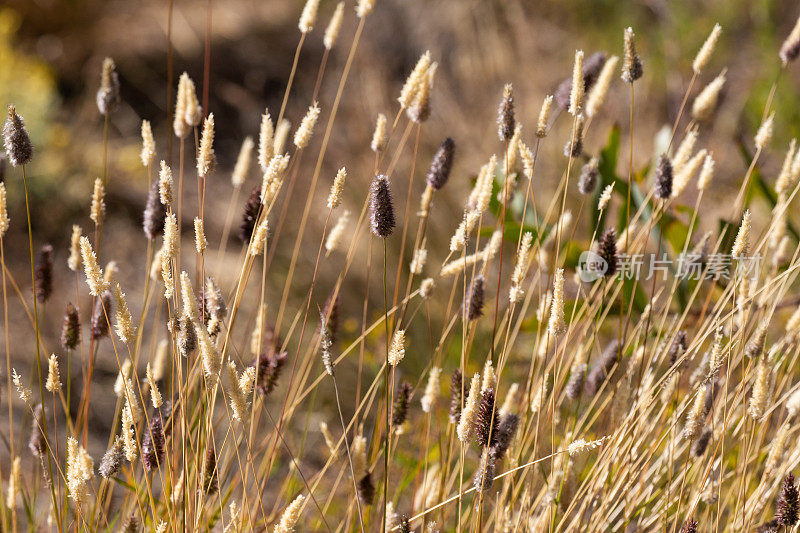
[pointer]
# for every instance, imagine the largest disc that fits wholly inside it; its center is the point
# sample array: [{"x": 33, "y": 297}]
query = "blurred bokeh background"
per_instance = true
[{"x": 51, "y": 53}]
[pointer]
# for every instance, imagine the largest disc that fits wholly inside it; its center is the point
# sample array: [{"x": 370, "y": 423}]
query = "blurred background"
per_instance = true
[{"x": 51, "y": 53}]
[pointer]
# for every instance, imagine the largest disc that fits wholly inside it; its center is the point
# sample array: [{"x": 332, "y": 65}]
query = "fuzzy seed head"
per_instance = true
[
  {"x": 381, "y": 209},
  {"x": 707, "y": 101},
  {"x": 741, "y": 246},
  {"x": 80, "y": 470},
  {"x": 506, "y": 121},
  {"x": 309, "y": 16},
  {"x": 397, "y": 349},
  {"x": 165, "y": 185},
  {"x": 764, "y": 135},
  {"x": 206, "y": 159},
  {"x": 335, "y": 196},
  {"x": 441, "y": 165},
  {"x": 148, "y": 152},
  {"x": 98, "y": 203},
  {"x": 335, "y": 236},
  {"x": 94, "y": 274},
  {"x": 303, "y": 134},
  {"x": 466, "y": 424},
  {"x": 600, "y": 90},
  {"x": 578, "y": 85},
  {"x": 4, "y": 219},
  {"x": 431, "y": 394},
  {"x": 243, "y": 163},
  {"x": 702, "y": 57},
  {"x": 631, "y": 62},
  {"x": 19, "y": 149},
  {"x": 473, "y": 305},
  {"x": 380, "y": 135},
  {"x": 791, "y": 46},
  {"x": 605, "y": 197},
  {"x": 53, "y": 376},
  {"x": 706, "y": 173},
  {"x": 108, "y": 97},
  {"x": 663, "y": 178},
  {"x": 544, "y": 115},
  {"x": 290, "y": 516},
  {"x": 556, "y": 323},
  {"x": 364, "y": 8},
  {"x": 334, "y": 27}
]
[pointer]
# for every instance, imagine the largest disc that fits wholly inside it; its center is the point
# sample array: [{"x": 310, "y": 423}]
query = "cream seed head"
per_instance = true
[
  {"x": 155, "y": 394},
  {"x": 124, "y": 326},
  {"x": 128, "y": 435},
  {"x": 206, "y": 158},
  {"x": 520, "y": 269},
  {"x": 119, "y": 383},
  {"x": 426, "y": 287},
  {"x": 379, "y": 136},
  {"x": 335, "y": 196},
  {"x": 489, "y": 378},
  {"x": 706, "y": 173},
  {"x": 411, "y": 86},
  {"x": 578, "y": 86},
  {"x": 259, "y": 239},
  {"x": 170, "y": 248},
  {"x": 597, "y": 95},
  {"x": 108, "y": 97},
  {"x": 291, "y": 515},
  {"x": 702, "y": 57},
  {"x": 243, "y": 163},
  {"x": 397, "y": 349},
  {"x": 785, "y": 180},
  {"x": 791, "y": 46},
  {"x": 556, "y": 324},
  {"x": 741, "y": 246},
  {"x": 418, "y": 261},
  {"x": 148, "y": 144},
  {"x": 431, "y": 389},
  {"x": 166, "y": 273},
  {"x": 685, "y": 149},
  {"x": 605, "y": 196},
  {"x": 764, "y": 135},
  {"x": 687, "y": 171},
  {"x": 281, "y": 134},
  {"x": 273, "y": 177},
  {"x": 364, "y": 8},
  {"x": 544, "y": 115},
  {"x": 706, "y": 102},
  {"x": 309, "y": 16},
  {"x": 760, "y": 394},
  {"x": 98, "y": 202},
  {"x": 200, "y": 242},
  {"x": 466, "y": 423},
  {"x": 266, "y": 141},
  {"x": 334, "y": 27},
  {"x": 190, "y": 306},
  {"x": 182, "y": 101},
  {"x": 53, "y": 375},
  {"x": 165, "y": 185},
  {"x": 13, "y": 488},
  {"x": 335, "y": 236},
  {"x": 528, "y": 161},
  {"x": 303, "y": 134},
  {"x": 94, "y": 275},
  {"x": 582, "y": 445},
  {"x": 24, "y": 392},
  {"x": 4, "y": 219},
  {"x": 511, "y": 401},
  {"x": 80, "y": 470},
  {"x": 420, "y": 108}
]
